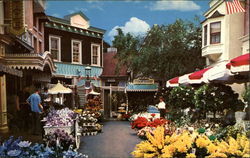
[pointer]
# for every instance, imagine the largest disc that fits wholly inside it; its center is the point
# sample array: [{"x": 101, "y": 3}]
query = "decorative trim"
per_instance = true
[
  {"x": 72, "y": 29},
  {"x": 30, "y": 61}
]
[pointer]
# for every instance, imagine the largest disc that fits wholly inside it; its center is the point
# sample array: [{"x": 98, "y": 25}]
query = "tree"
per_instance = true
[
  {"x": 166, "y": 52},
  {"x": 127, "y": 46}
]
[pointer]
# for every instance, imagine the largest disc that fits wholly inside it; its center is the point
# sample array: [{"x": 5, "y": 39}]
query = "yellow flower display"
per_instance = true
[
  {"x": 202, "y": 141},
  {"x": 150, "y": 148},
  {"x": 182, "y": 143},
  {"x": 212, "y": 148},
  {"x": 191, "y": 155},
  {"x": 217, "y": 155}
]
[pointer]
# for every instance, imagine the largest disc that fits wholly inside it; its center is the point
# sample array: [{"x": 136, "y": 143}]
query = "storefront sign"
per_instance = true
[
  {"x": 143, "y": 81},
  {"x": 17, "y": 18}
]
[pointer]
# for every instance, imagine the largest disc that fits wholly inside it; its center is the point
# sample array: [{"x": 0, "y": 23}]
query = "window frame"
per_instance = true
[
  {"x": 211, "y": 34},
  {"x": 80, "y": 51},
  {"x": 98, "y": 53},
  {"x": 59, "y": 45},
  {"x": 205, "y": 35}
]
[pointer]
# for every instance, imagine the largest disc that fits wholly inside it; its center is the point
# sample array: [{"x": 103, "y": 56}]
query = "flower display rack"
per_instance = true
[{"x": 89, "y": 133}]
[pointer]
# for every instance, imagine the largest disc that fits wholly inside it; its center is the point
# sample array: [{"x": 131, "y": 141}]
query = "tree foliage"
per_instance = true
[{"x": 167, "y": 51}]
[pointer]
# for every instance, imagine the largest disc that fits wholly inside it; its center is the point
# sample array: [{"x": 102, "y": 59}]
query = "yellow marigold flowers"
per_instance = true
[
  {"x": 212, "y": 148},
  {"x": 158, "y": 137},
  {"x": 150, "y": 148},
  {"x": 191, "y": 155},
  {"x": 218, "y": 155},
  {"x": 246, "y": 156},
  {"x": 202, "y": 142},
  {"x": 181, "y": 144}
]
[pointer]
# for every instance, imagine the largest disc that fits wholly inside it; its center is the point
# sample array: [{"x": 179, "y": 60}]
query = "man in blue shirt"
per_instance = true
[{"x": 36, "y": 108}]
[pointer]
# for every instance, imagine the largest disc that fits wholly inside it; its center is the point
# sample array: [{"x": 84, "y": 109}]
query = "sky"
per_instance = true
[{"x": 131, "y": 16}]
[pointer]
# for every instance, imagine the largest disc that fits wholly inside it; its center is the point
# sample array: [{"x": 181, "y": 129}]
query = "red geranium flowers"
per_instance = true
[{"x": 141, "y": 122}]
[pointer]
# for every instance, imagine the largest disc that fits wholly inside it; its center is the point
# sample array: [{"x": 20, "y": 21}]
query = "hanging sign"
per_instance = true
[
  {"x": 143, "y": 81},
  {"x": 17, "y": 18}
]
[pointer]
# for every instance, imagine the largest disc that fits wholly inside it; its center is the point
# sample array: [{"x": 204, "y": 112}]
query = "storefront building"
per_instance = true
[
  {"x": 77, "y": 50},
  {"x": 114, "y": 82},
  {"x": 22, "y": 47}
]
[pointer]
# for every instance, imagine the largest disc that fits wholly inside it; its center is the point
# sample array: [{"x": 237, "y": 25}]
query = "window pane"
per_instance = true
[
  {"x": 205, "y": 35},
  {"x": 215, "y": 38},
  {"x": 54, "y": 54},
  {"x": 95, "y": 55},
  {"x": 215, "y": 27},
  {"x": 54, "y": 48},
  {"x": 76, "y": 52},
  {"x": 54, "y": 43}
]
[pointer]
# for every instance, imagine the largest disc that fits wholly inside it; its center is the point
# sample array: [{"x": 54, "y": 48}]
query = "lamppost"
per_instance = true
[{"x": 88, "y": 74}]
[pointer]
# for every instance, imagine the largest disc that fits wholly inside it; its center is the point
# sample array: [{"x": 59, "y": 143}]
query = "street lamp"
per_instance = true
[{"x": 88, "y": 72}]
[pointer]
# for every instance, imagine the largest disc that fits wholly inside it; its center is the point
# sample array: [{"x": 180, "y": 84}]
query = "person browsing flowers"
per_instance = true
[{"x": 162, "y": 107}]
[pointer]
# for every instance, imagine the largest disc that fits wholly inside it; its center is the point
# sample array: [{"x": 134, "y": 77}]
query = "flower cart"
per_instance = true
[
  {"x": 88, "y": 123},
  {"x": 64, "y": 122}
]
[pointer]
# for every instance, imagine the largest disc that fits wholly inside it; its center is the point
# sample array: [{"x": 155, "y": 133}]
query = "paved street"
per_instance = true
[{"x": 117, "y": 140}]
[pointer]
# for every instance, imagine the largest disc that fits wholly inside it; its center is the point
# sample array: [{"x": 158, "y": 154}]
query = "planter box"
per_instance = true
[{"x": 52, "y": 129}]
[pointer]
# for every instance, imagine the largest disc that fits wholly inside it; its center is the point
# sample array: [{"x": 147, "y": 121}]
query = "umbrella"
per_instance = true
[{"x": 59, "y": 88}]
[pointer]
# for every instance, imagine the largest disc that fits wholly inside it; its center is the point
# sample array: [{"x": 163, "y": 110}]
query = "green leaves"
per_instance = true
[
  {"x": 217, "y": 97},
  {"x": 166, "y": 52}
]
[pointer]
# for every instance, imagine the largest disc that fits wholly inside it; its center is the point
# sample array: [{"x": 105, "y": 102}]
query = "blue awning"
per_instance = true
[
  {"x": 66, "y": 69},
  {"x": 142, "y": 87}
]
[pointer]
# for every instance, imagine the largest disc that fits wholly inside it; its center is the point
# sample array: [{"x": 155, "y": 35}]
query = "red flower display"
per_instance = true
[{"x": 142, "y": 122}]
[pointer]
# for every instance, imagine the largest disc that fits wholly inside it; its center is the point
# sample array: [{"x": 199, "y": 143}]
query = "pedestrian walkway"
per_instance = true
[{"x": 117, "y": 141}]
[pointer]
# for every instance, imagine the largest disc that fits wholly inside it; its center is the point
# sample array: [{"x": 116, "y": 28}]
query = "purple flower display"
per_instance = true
[
  {"x": 63, "y": 117},
  {"x": 59, "y": 138}
]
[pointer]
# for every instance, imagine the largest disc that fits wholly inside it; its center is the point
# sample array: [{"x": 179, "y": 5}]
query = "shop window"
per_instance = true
[
  {"x": 215, "y": 33},
  {"x": 205, "y": 35},
  {"x": 95, "y": 54},
  {"x": 55, "y": 47},
  {"x": 76, "y": 51}
]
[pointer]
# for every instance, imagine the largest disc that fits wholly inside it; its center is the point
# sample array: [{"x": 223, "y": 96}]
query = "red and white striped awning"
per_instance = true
[
  {"x": 174, "y": 82},
  {"x": 197, "y": 77},
  {"x": 218, "y": 73},
  {"x": 240, "y": 64}
]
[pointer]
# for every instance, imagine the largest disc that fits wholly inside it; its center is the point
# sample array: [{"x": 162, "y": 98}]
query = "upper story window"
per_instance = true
[
  {"x": 95, "y": 55},
  {"x": 205, "y": 35},
  {"x": 76, "y": 51},
  {"x": 215, "y": 32},
  {"x": 55, "y": 47}
]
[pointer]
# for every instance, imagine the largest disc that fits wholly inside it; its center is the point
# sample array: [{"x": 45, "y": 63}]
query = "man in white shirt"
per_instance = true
[{"x": 162, "y": 107}]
